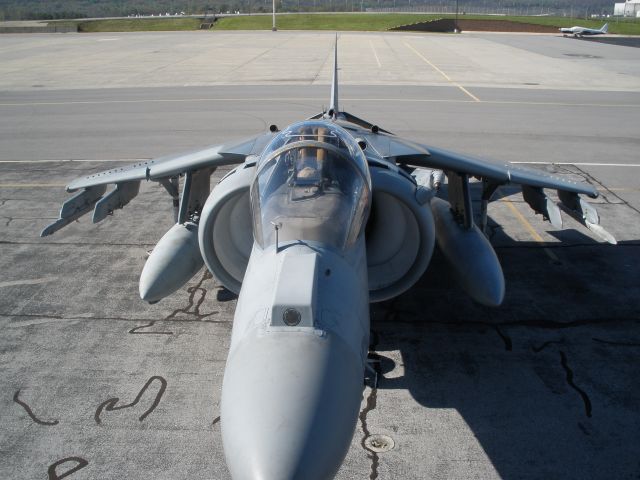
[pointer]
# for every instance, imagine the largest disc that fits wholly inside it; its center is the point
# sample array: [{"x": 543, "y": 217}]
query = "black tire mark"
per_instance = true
[
  {"x": 111, "y": 404},
  {"x": 193, "y": 306},
  {"x": 27, "y": 409},
  {"x": 583, "y": 394},
  {"x": 135, "y": 331},
  {"x": 215, "y": 420},
  {"x": 53, "y": 475}
]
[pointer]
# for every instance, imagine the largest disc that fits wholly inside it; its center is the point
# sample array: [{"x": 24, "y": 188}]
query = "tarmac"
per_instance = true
[{"x": 97, "y": 384}]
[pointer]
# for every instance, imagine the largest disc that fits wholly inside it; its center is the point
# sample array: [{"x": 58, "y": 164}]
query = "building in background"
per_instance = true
[{"x": 630, "y": 8}]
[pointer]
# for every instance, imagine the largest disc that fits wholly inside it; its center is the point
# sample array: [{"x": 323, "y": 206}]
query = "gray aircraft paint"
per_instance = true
[{"x": 294, "y": 376}]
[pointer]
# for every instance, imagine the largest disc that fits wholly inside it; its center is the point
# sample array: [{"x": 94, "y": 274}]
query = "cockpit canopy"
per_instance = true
[{"x": 312, "y": 184}]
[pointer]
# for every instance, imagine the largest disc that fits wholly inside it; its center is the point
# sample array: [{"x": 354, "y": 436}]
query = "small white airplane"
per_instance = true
[{"x": 581, "y": 31}]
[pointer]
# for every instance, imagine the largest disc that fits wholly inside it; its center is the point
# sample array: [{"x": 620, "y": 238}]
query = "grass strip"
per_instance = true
[
  {"x": 139, "y": 25},
  {"x": 385, "y": 21},
  {"x": 330, "y": 21}
]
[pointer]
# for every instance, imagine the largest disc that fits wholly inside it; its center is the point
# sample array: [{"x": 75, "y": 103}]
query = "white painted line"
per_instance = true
[
  {"x": 310, "y": 99},
  {"x": 245, "y": 99},
  {"x": 32, "y": 185},
  {"x": 562, "y": 104},
  {"x": 582, "y": 164},
  {"x": 375, "y": 54},
  {"x": 89, "y": 160},
  {"x": 442, "y": 73}
]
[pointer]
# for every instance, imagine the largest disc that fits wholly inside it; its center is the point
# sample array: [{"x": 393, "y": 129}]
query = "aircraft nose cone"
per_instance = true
[{"x": 290, "y": 403}]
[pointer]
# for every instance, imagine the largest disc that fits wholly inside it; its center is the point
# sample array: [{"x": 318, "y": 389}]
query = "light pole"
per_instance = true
[
  {"x": 456, "y": 30},
  {"x": 273, "y": 27}
]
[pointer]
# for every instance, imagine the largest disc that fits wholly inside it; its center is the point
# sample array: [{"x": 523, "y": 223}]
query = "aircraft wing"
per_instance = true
[
  {"x": 171, "y": 165},
  {"x": 500, "y": 173},
  {"x": 459, "y": 167},
  {"x": 162, "y": 169},
  {"x": 407, "y": 152}
]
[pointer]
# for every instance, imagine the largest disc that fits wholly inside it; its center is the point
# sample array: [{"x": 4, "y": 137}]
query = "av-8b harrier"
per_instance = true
[
  {"x": 316, "y": 221},
  {"x": 582, "y": 31}
]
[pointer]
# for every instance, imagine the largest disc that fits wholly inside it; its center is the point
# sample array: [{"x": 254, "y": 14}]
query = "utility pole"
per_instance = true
[
  {"x": 456, "y": 29},
  {"x": 273, "y": 28}
]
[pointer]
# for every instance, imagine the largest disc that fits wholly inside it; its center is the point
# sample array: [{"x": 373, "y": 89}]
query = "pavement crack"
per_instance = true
[
  {"x": 110, "y": 319},
  {"x": 77, "y": 244},
  {"x": 538, "y": 246},
  {"x": 408, "y": 317},
  {"x": 135, "y": 330},
  {"x": 27, "y": 408},
  {"x": 373, "y": 456},
  {"x": 616, "y": 344},
  {"x": 326, "y": 60},
  {"x": 582, "y": 393},
  {"x": 372, "y": 401},
  {"x": 595, "y": 182},
  {"x": 508, "y": 344},
  {"x": 255, "y": 57},
  {"x": 539, "y": 348},
  {"x": 583, "y": 429}
]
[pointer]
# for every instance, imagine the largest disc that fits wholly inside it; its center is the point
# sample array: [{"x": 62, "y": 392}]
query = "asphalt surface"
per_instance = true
[{"x": 97, "y": 384}]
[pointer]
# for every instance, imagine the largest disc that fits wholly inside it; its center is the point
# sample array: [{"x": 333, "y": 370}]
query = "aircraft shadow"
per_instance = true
[{"x": 547, "y": 382}]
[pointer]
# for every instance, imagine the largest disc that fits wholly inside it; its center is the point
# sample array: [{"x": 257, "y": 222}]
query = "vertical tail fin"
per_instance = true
[
  {"x": 333, "y": 105},
  {"x": 605, "y": 29}
]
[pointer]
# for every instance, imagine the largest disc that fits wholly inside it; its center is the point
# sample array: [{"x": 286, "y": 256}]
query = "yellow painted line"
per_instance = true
[
  {"x": 31, "y": 185},
  {"x": 467, "y": 91},
  {"x": 536, "y": 236},
  {"x": 442, "y": 73},
  {"x": 375, "y": 54}
]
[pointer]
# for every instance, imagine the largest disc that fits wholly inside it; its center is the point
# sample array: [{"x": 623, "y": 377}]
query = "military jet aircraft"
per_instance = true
[
  {"x": 316, "y": 221},
  {"x": 581, "y": 31}
]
